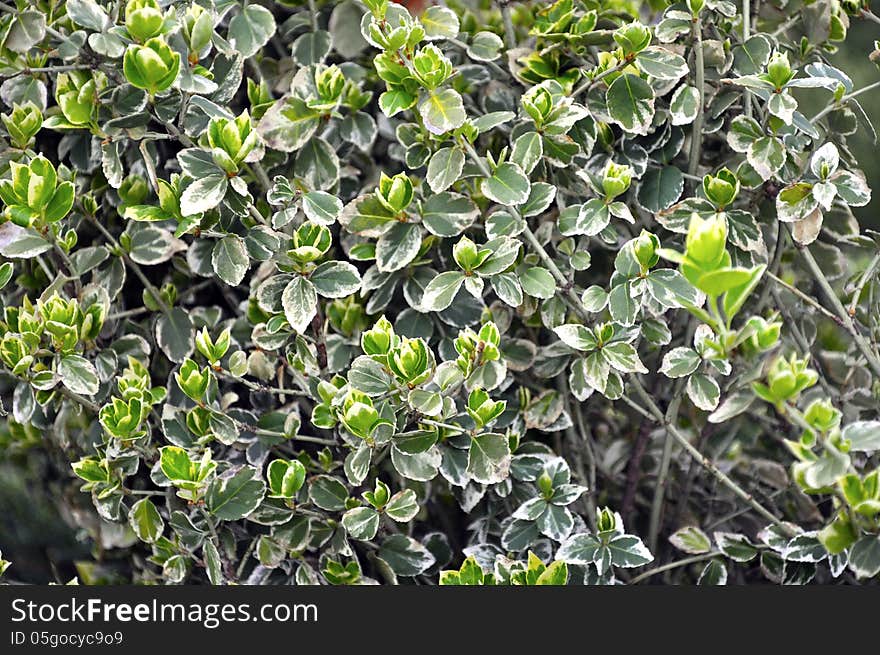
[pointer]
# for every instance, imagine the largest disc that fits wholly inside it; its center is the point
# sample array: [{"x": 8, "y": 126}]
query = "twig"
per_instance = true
[
  {"x": 705, "y": 462},
  {"x": 131, "y": 264},
  {"x": 747, "y": 29},
  {"x": 807, "y": 299},
  {"x": 673, "y": 565},
  {"x": 866, "y": 276},
  {"x": 840, "y": 310},
  {"x": 700, "y": 81},
  {"x": 843, "y": 100},
  {"x": 507, "y": 19}
]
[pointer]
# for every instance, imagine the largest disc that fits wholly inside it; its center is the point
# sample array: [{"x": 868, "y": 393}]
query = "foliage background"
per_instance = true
[{"x": 46, "y": 539}]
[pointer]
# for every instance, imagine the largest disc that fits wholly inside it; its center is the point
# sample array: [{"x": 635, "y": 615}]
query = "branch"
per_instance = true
[
  {"x": 705, "y": 462},
  {"x": 840, "y": 310}
]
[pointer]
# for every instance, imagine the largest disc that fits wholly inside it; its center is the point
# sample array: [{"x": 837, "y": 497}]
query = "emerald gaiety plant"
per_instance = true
[{"x": 514, "y": 293}]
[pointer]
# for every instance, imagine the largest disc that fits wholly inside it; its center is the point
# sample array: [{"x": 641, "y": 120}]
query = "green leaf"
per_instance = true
[
  {"x": 443, "y": 111},
  {"x": 175, "y": 334},
  {"x": 556, "y": 574},
  {"x": 630, "y": 103},
  {"x": 622, "y": 305},
  {"x": 361, "y": 523},
  {"x": 508, "y": 185},
  {"x": 538, "y": 282},
  {"x": 864, "y": 436},
  {"x": 767, "y": 156},
  {"x": 288, "y": 124},
  {"x": 448, "y": 214},
  {"x": 736, "y": 297},
  {"x": 406, "y": 556},
  {"x": 527, "y": 151},
  {"x": 328, "y": 493},
  {"x": 864, "y": 556},
  {"x": 736, "y": 546},
  {"x": 367, "y": 375},
  {"x": 579, "y": 549},
  {"x": 8, "y": 268},
  {"x": 576, "y": 336},
  {"x": 751, "y": 57},
  {"x": 300, "y": 302},
  {"x": 662, "y": 64},
  {"x": 507, "y": 288},
  {"x": 317, "y": 164},
  {"x": 714, "y": 574},
  {"x": 398, "y": 246},
  {"x": 312, "y": 47},
  {"x": 439, "y": 23},
  {"x": 251, "y": 29},
  {"x": 679, "y": 362},
  {"x": 21, "y": 243},
  {"x": 78, "y": 374},
  {"x": 723, "y": 280},
  {"x": 213, "y": 563},
  {"x": 230, "y": 259},
  {"x": 204, "y": 193},
  {"x": 27, "y": 30},
  {"x": 670, "y": 288},
  {"x": 685, "y": 105},
  {"x": 541, "y": 195},
  {"x": 489, "y": 458},
  {"x": 174, "y": 463},
  {"x": 441, "y": 291},
  {"x": 623, "y": 357},
  {"x": 403, "y": 506},
  {"x": 660, "y": 188},
  {"x": 145, "y": 521},
  {"x": 628, "y": 551},
  {"x": 445, "y": 169},
  {"x": 691, "y": 540},
  {"x": 321, "y": 207},
  {"x": 233, "y": 497},
  {"x": 703, "y": 391},
  {"x": 335, "y": 279},
  {"x": 395, "y": 101},
  {"x": 485, "y": 46}
]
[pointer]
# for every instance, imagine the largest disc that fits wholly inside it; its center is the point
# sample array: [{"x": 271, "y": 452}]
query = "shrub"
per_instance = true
[{"x": 486, "y": 293}]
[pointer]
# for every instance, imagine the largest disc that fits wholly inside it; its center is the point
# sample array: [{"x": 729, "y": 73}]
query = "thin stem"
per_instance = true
[
  {"x": 659, "y": 493},
  {"x": 255, "y": 386},
  {"x": 313, "y": 15},
  {"x": 840, "y": 310},
  {"x": 131, "y": 264},
  {"x": 673, "y": 565},
  {"x": 747, "y": 29},
  {"x": 807, "y": 299},
  {"x": 705, "y": 462},
  {"x": 75, "y": 397},
  {"x": 863, "y": 281},
  {"x": 700, "y": 81},
  {"x": 507, "y": 19},
  {"x": 299, "y": 437},
  {"x": 843, "y": 100},
  {"x": 445, "y": 426},
  {"x": 65, "y": 258},
  {"x": 245, "y": 558},
  {"x": 589, "y": 84},
  {"x": 47, "y": 69}
]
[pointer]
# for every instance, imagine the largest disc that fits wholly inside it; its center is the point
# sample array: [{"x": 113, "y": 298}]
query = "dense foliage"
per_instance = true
[{"x": 485, "y": 293}]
